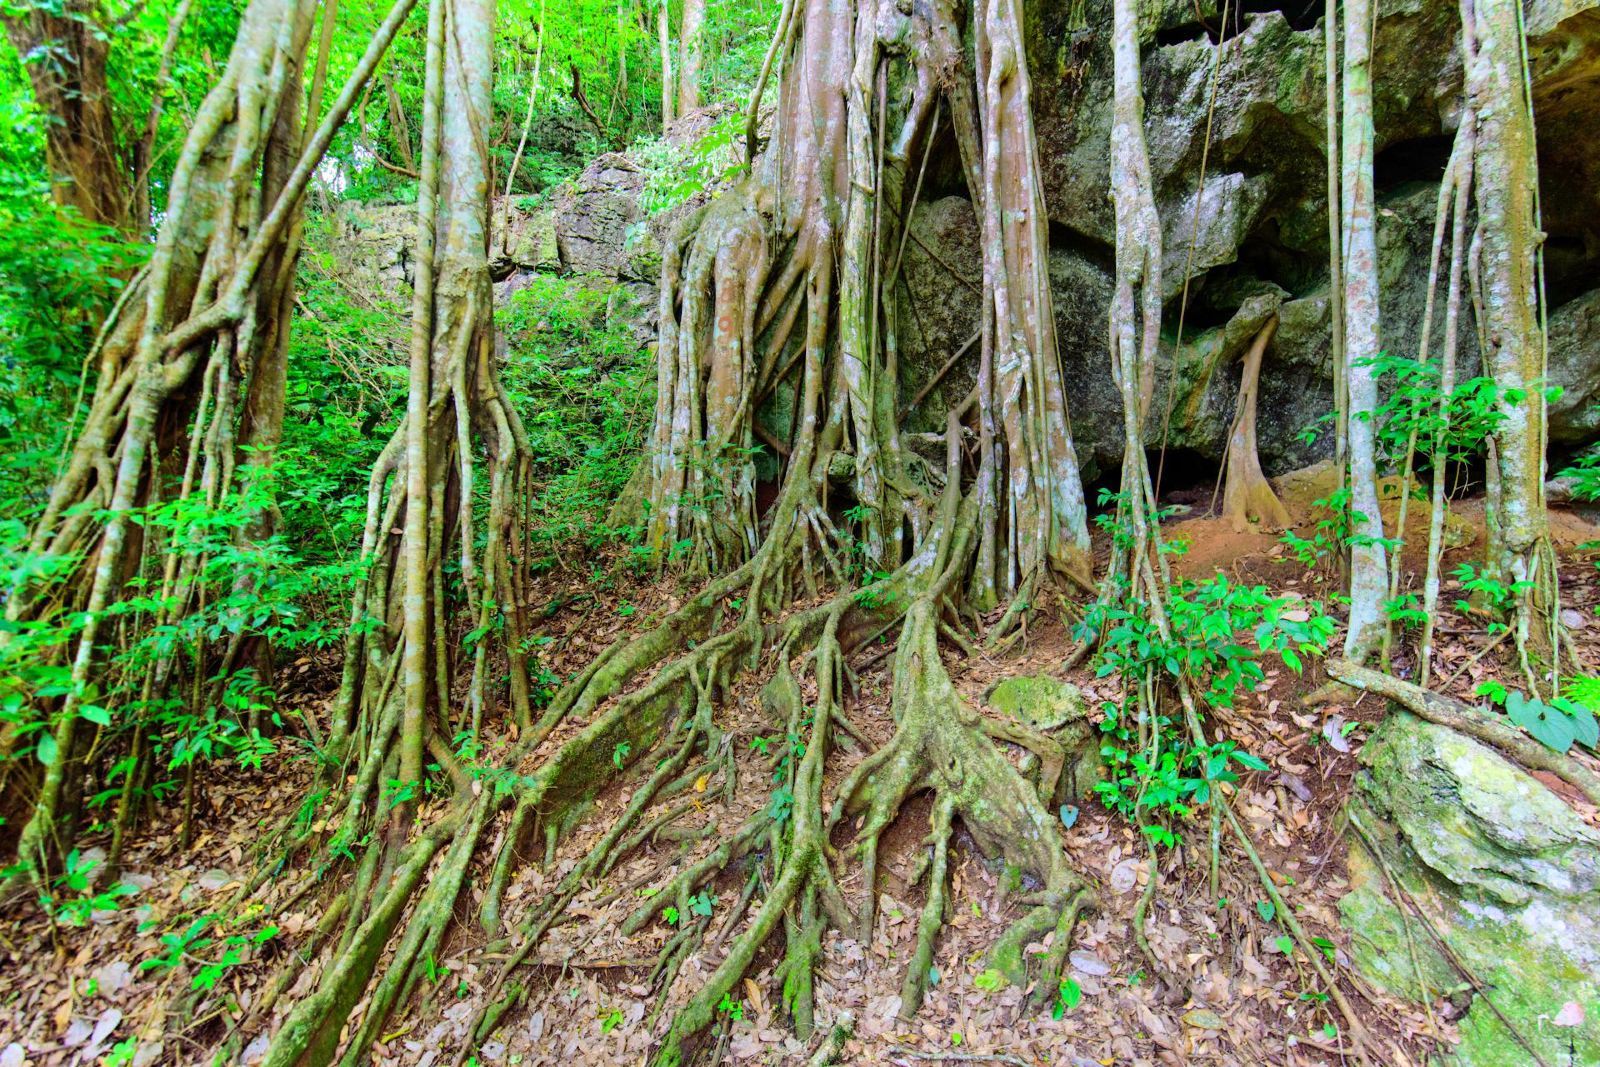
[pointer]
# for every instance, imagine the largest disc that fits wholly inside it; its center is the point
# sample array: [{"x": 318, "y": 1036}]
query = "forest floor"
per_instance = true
[{"x": 69, "y": 993}]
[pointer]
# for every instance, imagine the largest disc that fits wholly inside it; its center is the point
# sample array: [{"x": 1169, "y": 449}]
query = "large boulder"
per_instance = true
[{"x": 1505, "y": 874}]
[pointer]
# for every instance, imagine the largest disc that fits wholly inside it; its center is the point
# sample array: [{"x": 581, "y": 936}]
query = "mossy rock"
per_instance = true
[
  {"x": 1039, "y": 701},
  {"x": 1057, "y": 709},
  {"x": 1506, "y": 873}
]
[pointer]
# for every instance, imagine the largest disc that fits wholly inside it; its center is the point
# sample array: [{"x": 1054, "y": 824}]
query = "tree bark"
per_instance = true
[
  {"x": 664, "y": 40},
  {"x": 1507, "y": 191},
  {"x": 65, "y": 56},
  {"x": 1362, "y": 344},
  {"x": 690, "y": 46}
]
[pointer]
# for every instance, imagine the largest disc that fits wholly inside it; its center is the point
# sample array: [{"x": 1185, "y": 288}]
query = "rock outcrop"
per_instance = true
[
  {"x": 1482, "y": 863},
  {"x": 1250, "y": 239}
]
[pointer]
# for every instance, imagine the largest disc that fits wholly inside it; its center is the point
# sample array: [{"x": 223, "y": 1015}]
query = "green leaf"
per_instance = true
[
  {"x": 1071, "y": 993},
  {"x": 47, "y": 749},
  {"x": 990, "y": 981},
  {"x": 1266, "y": 909},
  {"x": 1285, "y": 945},
  {"x": 1551, "y": 726},
  {"x": 95, "y": 714},
  {"x": 1245, "y": 759}
]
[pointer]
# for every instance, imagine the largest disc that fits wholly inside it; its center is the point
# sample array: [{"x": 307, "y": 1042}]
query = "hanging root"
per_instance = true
[{"x": 1247, "y": 496}]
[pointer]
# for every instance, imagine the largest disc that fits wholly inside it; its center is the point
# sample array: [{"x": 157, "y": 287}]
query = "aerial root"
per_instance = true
[{"x": 1247, "y": 495}]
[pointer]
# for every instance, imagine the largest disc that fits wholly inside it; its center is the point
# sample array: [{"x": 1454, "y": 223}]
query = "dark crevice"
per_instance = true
[
  {"x": 1185, "y": 33},
  {"x": 1572, "y": 267},
  {"x": 1262, "y": 260},
  {"x": 1301, "y": 15},
  {"x": 1102, "y": 254},
  {"x": 1188, "y": 479},
  {"x": 1420, "y": 159},
  {"x": 945, "y": 175}
]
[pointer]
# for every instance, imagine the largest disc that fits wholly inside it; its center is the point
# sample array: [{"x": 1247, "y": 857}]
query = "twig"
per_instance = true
[{"x": 960, "y": 1057}]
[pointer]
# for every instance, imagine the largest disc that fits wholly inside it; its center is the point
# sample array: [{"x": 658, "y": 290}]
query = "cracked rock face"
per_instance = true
[
  {"x": 1249, "y": 239},
  {"x": 1256, "y": 226}
]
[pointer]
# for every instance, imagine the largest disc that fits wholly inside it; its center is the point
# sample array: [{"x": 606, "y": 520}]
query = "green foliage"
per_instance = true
[
  {"x": 59, "y": 275},
  {"x": 1492, "y": 596},
  {"x": 585, "y": 388},
  {"x": 990, "y": 981},
  {"x": 73, "y": 899},
  {"x": 1558, "y": 724},
  {"x": 676, "y": 173},
  {"x": 237, "y": 590},
  {"x": 1220, "y": 635},
  {"x": 1412, "y": 406},
  {"x": 1585, "y": 474},
  {"x": 1068, "y": 996}
]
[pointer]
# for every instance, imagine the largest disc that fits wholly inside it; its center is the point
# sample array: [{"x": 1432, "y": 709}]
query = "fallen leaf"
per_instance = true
[{"x": 1204, "y": 1019}]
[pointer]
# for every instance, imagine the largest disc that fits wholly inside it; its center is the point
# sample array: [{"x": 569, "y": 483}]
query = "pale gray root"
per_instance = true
[
  {"x": 1248, "y": 500},
  {"x": 203, "y": 317},
  {"x": 1358, "y": 222}
]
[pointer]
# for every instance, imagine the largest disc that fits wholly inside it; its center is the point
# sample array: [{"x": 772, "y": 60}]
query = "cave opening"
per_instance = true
[
  {"x": 1188, "y": 482},
  {"x": 1416, "y": 159},
  {"x": 1301, "y": 15}
]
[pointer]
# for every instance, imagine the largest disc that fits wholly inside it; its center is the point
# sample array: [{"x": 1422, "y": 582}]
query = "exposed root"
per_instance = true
[
  {"x": 1444, "y": 711},
  {"x": 1247, "y": 496}
]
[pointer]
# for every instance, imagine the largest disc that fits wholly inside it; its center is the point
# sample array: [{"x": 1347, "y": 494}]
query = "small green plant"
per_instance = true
[
  {"x": 701, "y": 904},
  {"x": 990, "y": 981},
  {"x": 1487, "y": 595},
  {"x": 1329, "y": 536},
  {"x": 730, "y": 1008},
  {"x": 75, "y": 879},
  {"x": 1558, "y": 724},
  {"x": 232, "y": 955},
  {"x": 670, "y": 915},
  {"x": 612, "y": 1019},
  {"x": 620, "y": 753},
  {"x": 1221, "y": 634},
  {"x": 1068, "y": 996}
]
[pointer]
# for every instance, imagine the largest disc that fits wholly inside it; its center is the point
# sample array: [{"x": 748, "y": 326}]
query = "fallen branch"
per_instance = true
[{"x": 1449, "y": 712}]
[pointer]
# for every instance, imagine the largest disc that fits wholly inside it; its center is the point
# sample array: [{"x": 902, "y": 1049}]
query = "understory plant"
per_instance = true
[{"x": 1221, "y": 635}]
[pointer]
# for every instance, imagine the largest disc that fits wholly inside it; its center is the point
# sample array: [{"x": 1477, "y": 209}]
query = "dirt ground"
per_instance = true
[{"x": 70, "y": 994}]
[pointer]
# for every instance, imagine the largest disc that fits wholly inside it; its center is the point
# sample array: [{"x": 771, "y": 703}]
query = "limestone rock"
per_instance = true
[
  {"x": 1039, "y": 701},
  {"x": 1058, "y": 710},
  {"x": 1504, "y": 870},
  {"x": 594, "y": 214}
]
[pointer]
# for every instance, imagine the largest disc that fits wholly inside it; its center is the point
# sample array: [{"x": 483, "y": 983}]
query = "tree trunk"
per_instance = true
[
  {"x": 1368, "y": 566},
  {"x": 202, "y": 318},
  {"x": 1507, "y": 191},
  {"x": 690, "y": 30},
  {"x": 65, "y": 56},
  {"x": 664, "y": 39},
  {"x": 1247, "y": 496}
]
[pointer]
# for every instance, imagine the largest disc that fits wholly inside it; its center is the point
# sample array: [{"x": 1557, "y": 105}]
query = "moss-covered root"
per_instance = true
[
  {"x": 941, "y": 743},
  {"x": 933, "y": 912},
  {"x": 310, "y": 1035},
  {"x": 802, "y": 876}
]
